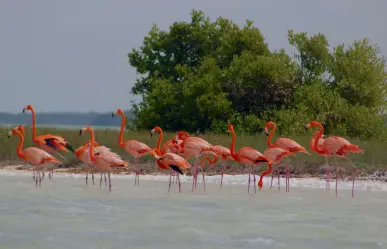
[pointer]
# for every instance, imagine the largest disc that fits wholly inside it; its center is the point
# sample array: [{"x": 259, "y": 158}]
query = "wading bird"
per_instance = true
[
  {"x": 35, "y": 156},
  {"x": 225, "y": 154},
  {"x": 104, "y": 159},
  {"x": 210, "y": 161},
  {"x": 47, "y": 142},
  {"x": 283, "y": 143},
  {"x": 276, "y": 155},
  {"x": 135, "y": 148},
  {"x": 248, "y": 156},
  {"x": 172, "y": 161},
  {"x": 335, "y": 146}
]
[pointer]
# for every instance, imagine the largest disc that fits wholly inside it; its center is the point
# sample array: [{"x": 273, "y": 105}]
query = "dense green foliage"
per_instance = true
[{"x": 202, "y": 74}]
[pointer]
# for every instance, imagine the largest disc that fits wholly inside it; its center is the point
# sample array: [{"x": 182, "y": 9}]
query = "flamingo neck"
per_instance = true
[
  {"x": 269, "y": 144},
  {"x": 161, "y": 136},
  {"x": 19, "y": 150},
  {"x": 319, "y": 135},
  {"x": 121, "y": 136},
  {"x": 232, "y": 151},
  {"x": 91, "y": 151},
  {"x": 266, "y": 172},
  {"x": 33, "y": 123}
]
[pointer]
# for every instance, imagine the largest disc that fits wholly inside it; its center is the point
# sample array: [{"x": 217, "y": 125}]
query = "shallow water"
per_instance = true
[{"x": 66, "y": 214}]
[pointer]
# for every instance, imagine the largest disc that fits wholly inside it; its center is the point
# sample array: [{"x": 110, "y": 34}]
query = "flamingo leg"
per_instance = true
[
  {"x": 287, "y": 175},
  {"x": 87, "y": 176},
  {"x": 204, "y": 180},
  {"x": 170, "y": 181},
  {"x": 254, "y": 181},
  {"x": 337, "y": 176},
  {"x": 222, "y": 172},
  {"x": 328, "y": 174},
  {"x": 353, "y": 176},
  {"x": 194, "y": 174},
  {"x": 272, "y": 177},
  {"x": 33, "y": 173},
  {"x": 100, "y": 181},
  {"x": 110, "y": 182},
  {"x": 92, "y": 175},
  {"x": 248, "y": 185},
  {"x": 104, "y": 175},
  {"x": 178, "y": 178}
]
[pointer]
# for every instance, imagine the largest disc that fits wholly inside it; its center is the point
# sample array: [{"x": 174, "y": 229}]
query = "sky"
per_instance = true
[{"x": 72, "y": 55}]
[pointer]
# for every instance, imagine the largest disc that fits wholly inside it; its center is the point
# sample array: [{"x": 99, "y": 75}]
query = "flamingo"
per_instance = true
[
  {"x": 313, "y": 148},
  {"x": 193, "y": 147},
  {"x": 248, "y": 156},
  {"x": 133, "y": 147},
  {"x": 284, "y": 143},
  {"x": 47, "y": 142},
  {"x": 210, "y": 161},
  {"x": 172, "y": 161},
  {"x": 335, "y": 146},
  {"x": 168, "y": 146},
  {"x": 104, "y": 159},
  {"x": 35, "y": 156},
  {"x": 276, "y": 155},
  {"x": 225, "y": 154},
  {"x": 83, "y": 154}
]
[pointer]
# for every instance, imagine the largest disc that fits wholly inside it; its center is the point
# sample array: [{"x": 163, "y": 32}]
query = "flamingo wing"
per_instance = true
[
  {"x": 137, "y": 148},
  {"x": 276, "y": 154},
  {"x": 38, "y": 156},
  {"x": 290, "y": 145},
  {"x": 249, "y": 156}
]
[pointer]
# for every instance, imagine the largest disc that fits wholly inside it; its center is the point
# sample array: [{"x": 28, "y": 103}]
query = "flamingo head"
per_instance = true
[
  {"x": 28, "y": 107},
  {"x": 312, "y": 124},
  {"x": 268, "y": 126},
  {"x": 14, "y": 131},
  {"x": 119, "y": 111},
  {"x": 84, "y": 129},
  {"x": 155, "y": 129},
  {"x": 230, "y": 127},
  {"x": 260, "y": 184}
]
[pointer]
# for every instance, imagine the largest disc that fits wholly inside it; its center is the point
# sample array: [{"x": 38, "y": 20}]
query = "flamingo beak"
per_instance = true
[
  {"x": 9, "y": 134},
  {"x": 80, "y": 132},
  {"x": 24, "y": 110},
  {"x": 266, "y": 131},
  {"x": 113, "y": 114},
  {"x": 307, "y": 126}
]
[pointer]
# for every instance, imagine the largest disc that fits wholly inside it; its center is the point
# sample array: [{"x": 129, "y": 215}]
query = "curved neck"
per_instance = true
[
  {"x": 319, "y": 135},
  {"x": 92, "y": 141},
  {"x": 208, "y": 158},
  {"x": 33, "y": 124},
  {"x": 123, "y": 123},
  {"x": 266, "y": 172},
  {"x": 20, "y": 145},
  {"x": 232, "y": 146},
  {"x": 269, "y": 144},
  {"x": 161, "y": 135}
]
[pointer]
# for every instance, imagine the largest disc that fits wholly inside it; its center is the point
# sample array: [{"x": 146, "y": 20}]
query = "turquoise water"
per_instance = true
[{"x": 66, "y": 214}]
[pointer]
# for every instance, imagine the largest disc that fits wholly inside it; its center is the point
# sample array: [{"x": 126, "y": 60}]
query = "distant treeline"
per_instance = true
[{"x": 65, "y": 118}]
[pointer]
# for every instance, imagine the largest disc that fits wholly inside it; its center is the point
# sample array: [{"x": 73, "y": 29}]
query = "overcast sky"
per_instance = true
[{"x": 71, "y": 55}]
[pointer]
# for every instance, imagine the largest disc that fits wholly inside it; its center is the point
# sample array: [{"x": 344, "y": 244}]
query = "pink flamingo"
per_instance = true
[
  {"x": 284, "y": 143},
  {"x": 193, "y": 147},
  {"x": 276, "y": 155},
  {"x": 172, "y": 161},
  {"x": 104, "y": 159},
  {"x": 326, "y": 156},
  {"x": 133, "y": 147},
  {"x": 168, "y": 146},
  {"x": 225, "y": 154},
  {"x": 248, "y": 156},
  {"x": 335, "y": 146},
  {"x": 35, "y": 156},
  {"x": 83, "y": 154}
]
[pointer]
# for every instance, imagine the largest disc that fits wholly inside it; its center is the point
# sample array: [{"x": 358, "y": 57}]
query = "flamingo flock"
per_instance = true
[{"x": 173, "y": 155}]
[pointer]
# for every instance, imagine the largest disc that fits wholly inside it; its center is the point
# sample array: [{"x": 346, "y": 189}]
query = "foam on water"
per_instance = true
[{"x": 316, "y": 183}]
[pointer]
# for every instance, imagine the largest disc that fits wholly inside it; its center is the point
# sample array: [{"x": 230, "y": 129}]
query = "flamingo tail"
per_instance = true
[
  {"x": 176, "y": 168},
  {"x": 352, "y": 148}
]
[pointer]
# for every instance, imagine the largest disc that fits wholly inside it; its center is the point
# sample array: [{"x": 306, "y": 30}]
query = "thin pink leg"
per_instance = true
[
  {"x": 110, "y": 182},
  {"x": 337, "y": 176},
  {"x": 279, "y": 179},
  {"x": 178, "y": 178},
  {"x": 353, "y": 181},
  {"x": 272, "y": 177},
  {"x": 170, "y": 181},
  {"x": 222, "y": 172},
  {"x": 204, "y": 179},
  {"x": 100, "y": 181},
  {"x": 248, "y": 186}
]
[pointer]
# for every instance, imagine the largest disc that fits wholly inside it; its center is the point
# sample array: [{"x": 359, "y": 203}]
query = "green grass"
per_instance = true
[{"x": 374, "y": 158}]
